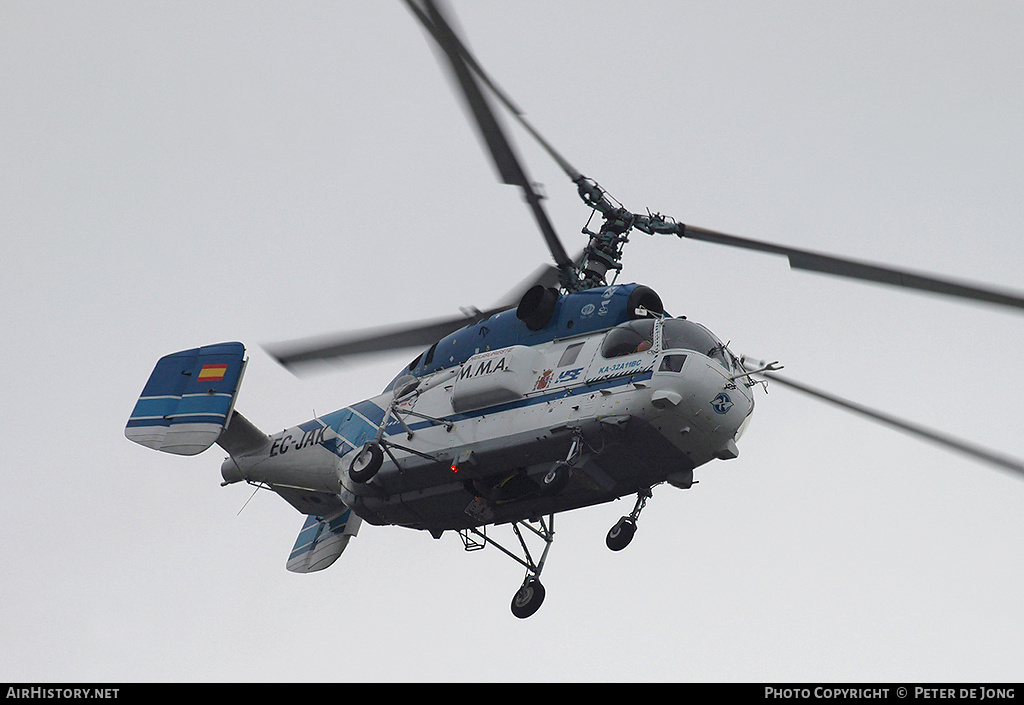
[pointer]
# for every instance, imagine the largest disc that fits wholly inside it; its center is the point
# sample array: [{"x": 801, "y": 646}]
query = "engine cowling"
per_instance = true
[{"x": 537, "y": 306}]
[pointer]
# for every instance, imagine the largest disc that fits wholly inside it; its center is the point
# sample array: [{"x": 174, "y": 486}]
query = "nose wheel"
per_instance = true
[{"x": 622, "y": 533}]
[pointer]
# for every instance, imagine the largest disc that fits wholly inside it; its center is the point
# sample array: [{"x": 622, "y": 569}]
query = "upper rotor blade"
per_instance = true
[
  {"x": 473, "y": 64},
  {"x": 505, "y": 161},
  {"x": 508, "y": 165},
  {"x": 839, "y": 266},
  {"x": 975, "y": 451}
]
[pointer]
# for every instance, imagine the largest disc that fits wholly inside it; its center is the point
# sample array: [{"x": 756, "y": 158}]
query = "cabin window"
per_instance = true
[
  {"x": 570, "y": 354},
  {"x": 628, "y": 338}
]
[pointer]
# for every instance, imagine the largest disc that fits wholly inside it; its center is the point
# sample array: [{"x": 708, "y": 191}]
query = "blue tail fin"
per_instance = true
[{"x": 188, "y": 399}]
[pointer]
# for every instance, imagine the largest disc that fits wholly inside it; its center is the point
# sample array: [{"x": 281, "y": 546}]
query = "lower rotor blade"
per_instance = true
[
  {"x": 387, "y": 338},
  {"x": 397, "y": 337},
  {"x": 838, "y": 266},
  {"x": 545, "y": 275},
  {"x": 977, "y": 452}
]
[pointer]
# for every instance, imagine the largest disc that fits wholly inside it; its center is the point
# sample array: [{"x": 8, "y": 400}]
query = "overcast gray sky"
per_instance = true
[{"x": 174, "y": 174}]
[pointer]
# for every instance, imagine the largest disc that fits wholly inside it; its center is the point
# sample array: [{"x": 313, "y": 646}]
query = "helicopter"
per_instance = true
[{"x": 580, "y": 391}]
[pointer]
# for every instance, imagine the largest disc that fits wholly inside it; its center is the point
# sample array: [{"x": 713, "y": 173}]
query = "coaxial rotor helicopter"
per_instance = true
[{"x": 575, "y": 391}]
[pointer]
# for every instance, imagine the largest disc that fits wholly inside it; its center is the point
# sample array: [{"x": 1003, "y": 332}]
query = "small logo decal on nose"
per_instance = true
[{"x": 722, "y": 403}]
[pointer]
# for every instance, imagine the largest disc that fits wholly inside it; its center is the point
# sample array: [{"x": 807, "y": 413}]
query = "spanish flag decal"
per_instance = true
[{"x": 212, "y": 373}]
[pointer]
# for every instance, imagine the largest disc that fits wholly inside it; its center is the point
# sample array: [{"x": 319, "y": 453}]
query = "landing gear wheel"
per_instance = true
[
  {"x": 528, "y": 599},
  {"x": 366, "y": 463},
  {"x": 556, "y": 479},
  {"x": 621, "y": 534}
]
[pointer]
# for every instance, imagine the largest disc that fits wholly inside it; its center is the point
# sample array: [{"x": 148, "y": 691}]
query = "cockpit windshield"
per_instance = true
[{"x": 679, "y": 333}]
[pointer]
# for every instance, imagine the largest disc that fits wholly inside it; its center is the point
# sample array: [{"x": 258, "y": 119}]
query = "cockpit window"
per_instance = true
[
  {"x": 628, "y": 338},
  {"x": 681, "y": 334}
]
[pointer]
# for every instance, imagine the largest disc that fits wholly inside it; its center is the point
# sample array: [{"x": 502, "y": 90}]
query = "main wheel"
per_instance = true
[
  {"x": 555, "y": 480},
  {"x": 528, "y": 599},
  {"x": 621, "y": 534},
  {"x": 366, "y": 463}
]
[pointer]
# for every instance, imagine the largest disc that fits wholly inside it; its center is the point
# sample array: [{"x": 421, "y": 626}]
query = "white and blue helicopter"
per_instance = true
[{"x": 577, "y": 391}]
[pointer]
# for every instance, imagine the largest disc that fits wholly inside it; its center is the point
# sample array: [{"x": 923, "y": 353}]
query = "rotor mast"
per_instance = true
[{"x": 604, "y": 250}]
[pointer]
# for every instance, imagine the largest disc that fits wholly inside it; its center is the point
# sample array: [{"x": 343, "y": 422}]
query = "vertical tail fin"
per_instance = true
[{"x": 188, "y": 400}]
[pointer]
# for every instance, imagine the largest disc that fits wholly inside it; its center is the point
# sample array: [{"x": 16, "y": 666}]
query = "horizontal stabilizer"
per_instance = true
[
  {"x": 322, "y": 540},
  {"x": 188, "y": 399}
]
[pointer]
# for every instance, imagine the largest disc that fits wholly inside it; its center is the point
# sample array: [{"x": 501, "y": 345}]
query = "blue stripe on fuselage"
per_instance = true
[
  {"x": 369, "y": 411},
  {"x": 528, "y": 401},
  {"x": 354, "y": 429}
]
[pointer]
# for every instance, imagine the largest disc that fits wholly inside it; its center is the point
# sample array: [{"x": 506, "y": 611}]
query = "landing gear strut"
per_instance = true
[
  {"x": 555, "y": 480},
  {"x": 368, "y": 460},
  {"x": 621, "y": 534},
  {"x": 530, "y": 595}
]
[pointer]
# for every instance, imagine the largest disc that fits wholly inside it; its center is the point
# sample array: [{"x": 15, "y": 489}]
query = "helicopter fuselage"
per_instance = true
[{"x": 618, "y": 407}]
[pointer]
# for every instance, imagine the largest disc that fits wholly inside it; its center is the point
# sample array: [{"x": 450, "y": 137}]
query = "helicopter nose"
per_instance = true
[{"x": 701, "y": 397}]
